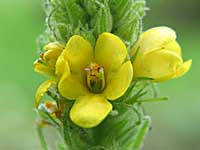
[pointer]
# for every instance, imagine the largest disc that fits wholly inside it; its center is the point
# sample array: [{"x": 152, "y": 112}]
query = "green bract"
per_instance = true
[{"x": 89, "y": 18}]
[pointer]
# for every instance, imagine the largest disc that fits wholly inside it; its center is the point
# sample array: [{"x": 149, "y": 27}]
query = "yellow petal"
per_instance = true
[
  {"x": 155, "y": 38},
  {"x": 117, "y": 83},
  {"x": 79, "y": 54},
  {"x": 160, "y": 65},
  {"x": 183, "y": 68},
  {"x": 43, "y": 68},
  {"x": 62, "y": 66},
  {"x": 72, "y": 86},
  {"x": 110, "y": 51},
  {"x": 90, "y": 110},
  {"x": 52, "y": 54},
  {"x": 53, "y": 46},
  {"x": 43, "y": 88},
  {"x": 174, "y": 47}
]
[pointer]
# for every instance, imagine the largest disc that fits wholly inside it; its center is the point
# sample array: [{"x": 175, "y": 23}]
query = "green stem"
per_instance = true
[
  {"x": 41, "y": 137},
  {"x": 52, "y": 119}
]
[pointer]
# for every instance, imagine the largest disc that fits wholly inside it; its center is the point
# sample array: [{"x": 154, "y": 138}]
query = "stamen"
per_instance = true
[
  {"x": 95, "y": 78},
  {"x": 41, "y": 55}
]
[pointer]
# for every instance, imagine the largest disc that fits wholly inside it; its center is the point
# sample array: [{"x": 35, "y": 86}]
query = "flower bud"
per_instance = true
[
  {"x": 158, "y": 55},
  {"x": 49, "y": 106},
  {"x": 47, "y": 61}
]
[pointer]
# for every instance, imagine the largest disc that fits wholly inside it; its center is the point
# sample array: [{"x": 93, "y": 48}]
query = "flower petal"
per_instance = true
[
  {"x": 53, "y": 46},
  {"x": 110, "y": 51},
  {"x": 53, "y": 51},
  {"x": 174, "y": 47},
  {"x": 78, "y": 53},
  {"x": 52, "y": 54},
  {"x": 160, "y": 65},
  {"x": 90, "y": 110},
  {"x": 117, "y": 83},
  {"x": 43, "y": 68},
  {"x": 62, "y": 66},
  {"x": 43, "y": 88},
  {"x": 155, "y": 38},
  {"x": 183, "y": 68},
  {"x": 72, "y": 86}
]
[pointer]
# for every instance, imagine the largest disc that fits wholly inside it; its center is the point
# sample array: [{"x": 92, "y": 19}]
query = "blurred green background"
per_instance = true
[{"x": 175, "y": 123}]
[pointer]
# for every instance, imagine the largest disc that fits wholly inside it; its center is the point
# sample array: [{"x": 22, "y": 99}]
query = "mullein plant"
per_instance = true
[{"x": 101, "y": 68}]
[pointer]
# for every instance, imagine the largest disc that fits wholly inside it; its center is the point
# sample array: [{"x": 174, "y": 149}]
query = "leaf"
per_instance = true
[
  {"x": 62, "y": 18},
  {"x": 90, "y": 6},
  {"x": 86, "y": 33},
  {"x": 122, "y": 131},
  {"x": 142, "y": 129},
  {"x": 76, "y": 138},
  {"x": 43, "y": 39},
  {"x": 121, "y": 17},
  {"x": 102, "y": 20},
  {"x": 41, "y": 137},
  {"x": 74, "y": 12},
  {"x": 47, "y": 117},
  {"x": 153, "y": 99},
  {"x": 127, "y": 16}
]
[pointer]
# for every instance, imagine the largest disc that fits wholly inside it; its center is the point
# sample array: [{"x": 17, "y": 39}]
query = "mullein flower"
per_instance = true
[
  {"x": 157, "y": 55},
  {"x": 46, "y": 65},
  {"x": 92, "y": 77}
]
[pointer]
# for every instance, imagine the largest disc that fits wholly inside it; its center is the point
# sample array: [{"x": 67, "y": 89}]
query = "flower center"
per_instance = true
[{"x": 95, "y": 78}]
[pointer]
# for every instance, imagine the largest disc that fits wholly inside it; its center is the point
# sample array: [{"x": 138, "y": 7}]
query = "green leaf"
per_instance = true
[
  {"x": 61, "y": 147},
  {"x": 41, "y": 138},
  {"x": 75, "y": 137},
  {"x": 142, "y": 129},
  {"x": 154, "y": 89},
  {"x": 43, "y": 39},
  {"x": 74, "y": 12},
  {"x": 47, "y": 117},
  {"x": 122, "y": 131},
  {"x": 86, "y": 33},
  {"x": 153, "y": 99},
  {"x": 102, "y": 20},
  {"x": 121, "y": 17},
  {"x": 127, "y": 15},
  {"x": 62, "y": 18},
  {"x": 91, "y": 6}
]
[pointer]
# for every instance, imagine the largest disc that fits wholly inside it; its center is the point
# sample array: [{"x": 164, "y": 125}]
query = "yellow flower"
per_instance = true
[
  {"x": 158, "y": 55},
  {"x": 93, "y": 77},
  {"x": 43, "y": 88},
  {"x": 46, "y": 64}
]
